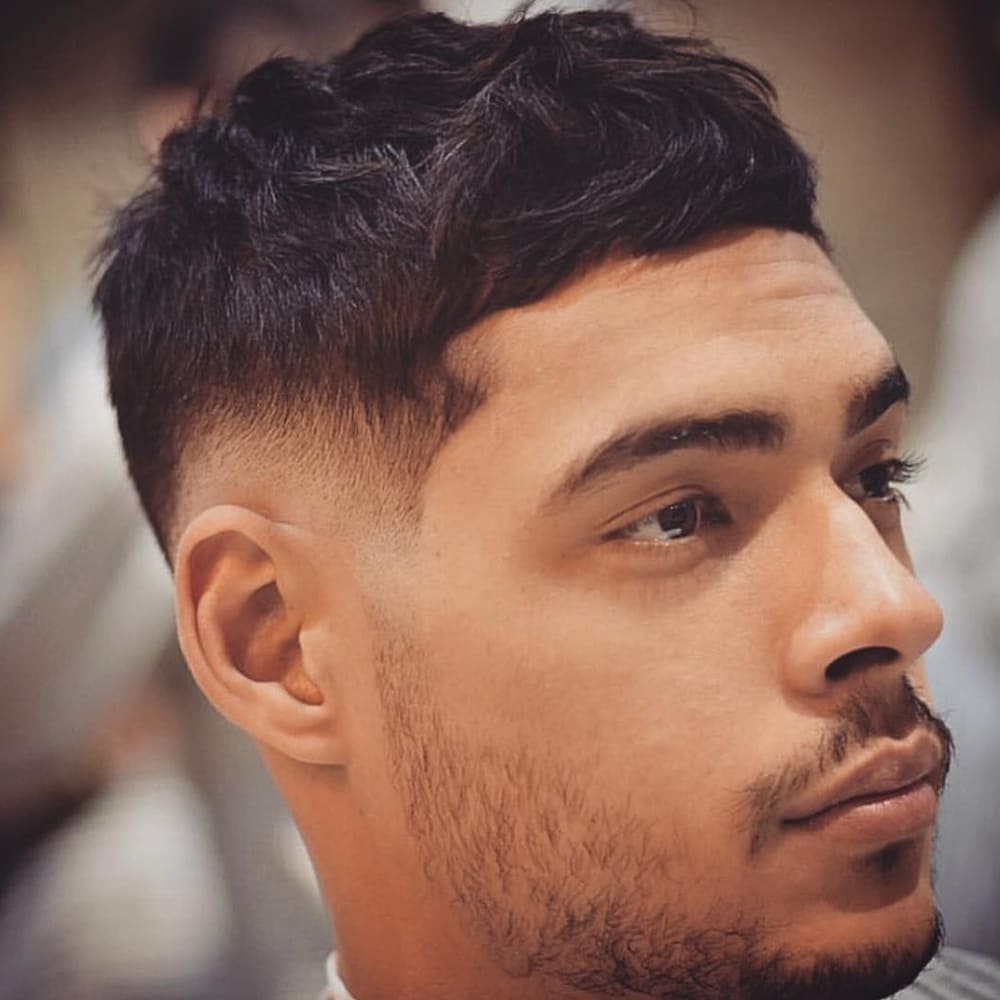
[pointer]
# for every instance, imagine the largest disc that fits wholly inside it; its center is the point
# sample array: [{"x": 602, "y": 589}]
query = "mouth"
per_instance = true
[{"x": 891, "y": 795}]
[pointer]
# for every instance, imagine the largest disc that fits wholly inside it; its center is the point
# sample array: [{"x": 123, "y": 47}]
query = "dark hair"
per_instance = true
[{"x": 304, "y": 255}]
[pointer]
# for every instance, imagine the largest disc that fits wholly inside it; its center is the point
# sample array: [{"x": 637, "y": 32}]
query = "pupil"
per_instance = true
[
  {"x": 875, "y": 481},
  {"x": 679, "y": 519}
]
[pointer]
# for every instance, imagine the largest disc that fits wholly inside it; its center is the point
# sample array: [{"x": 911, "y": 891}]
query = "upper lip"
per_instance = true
[{"x": 889, "y": 769}]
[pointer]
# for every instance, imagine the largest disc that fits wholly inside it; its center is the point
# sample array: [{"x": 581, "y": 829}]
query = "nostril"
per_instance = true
[{"x": 859, "y": 660}]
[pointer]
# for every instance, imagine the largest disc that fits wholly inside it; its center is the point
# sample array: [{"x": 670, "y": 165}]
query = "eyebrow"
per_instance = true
[
  {"x": 873, "y": 397},
  {"x": 729, "y": 430}
]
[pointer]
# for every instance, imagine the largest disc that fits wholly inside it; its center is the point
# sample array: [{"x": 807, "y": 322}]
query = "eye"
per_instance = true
[
  {"x": 880, "y": 482},
  {"x": 675, "y": 521}
]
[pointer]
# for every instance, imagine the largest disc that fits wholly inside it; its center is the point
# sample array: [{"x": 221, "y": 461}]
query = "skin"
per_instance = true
[{"x": 526, "y": 745}]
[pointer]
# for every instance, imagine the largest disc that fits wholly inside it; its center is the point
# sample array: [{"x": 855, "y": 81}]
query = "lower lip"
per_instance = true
[{"x": 905, "y": 813}]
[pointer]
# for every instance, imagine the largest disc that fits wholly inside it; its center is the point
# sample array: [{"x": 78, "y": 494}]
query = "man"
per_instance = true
[{"x": 530, "y": 482}]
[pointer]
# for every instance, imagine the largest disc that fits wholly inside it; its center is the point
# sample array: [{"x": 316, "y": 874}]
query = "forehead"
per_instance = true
[{"x": 761, "y": 317}]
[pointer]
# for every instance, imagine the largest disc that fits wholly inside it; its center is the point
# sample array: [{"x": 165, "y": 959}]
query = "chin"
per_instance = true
[
  {"x": 864, "y": 953},
  {"x": 869, "y": 936},
  {"x": 867, "y": 968},
  {"x": 906, "y": 925}
]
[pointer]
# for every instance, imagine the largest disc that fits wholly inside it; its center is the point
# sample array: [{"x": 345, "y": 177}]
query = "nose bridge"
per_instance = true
[{"x": 859, "y": 594}]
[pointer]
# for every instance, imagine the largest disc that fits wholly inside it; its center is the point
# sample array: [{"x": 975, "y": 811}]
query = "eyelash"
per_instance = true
[
  {"x": 898, "y": 471},
  {"x": 689, "y": 514}
]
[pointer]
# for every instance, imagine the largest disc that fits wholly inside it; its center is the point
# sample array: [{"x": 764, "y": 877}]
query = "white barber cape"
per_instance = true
[{"x": 335, "y": 988}]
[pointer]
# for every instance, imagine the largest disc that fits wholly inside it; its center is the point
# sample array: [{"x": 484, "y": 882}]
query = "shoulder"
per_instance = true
[{"x": 956, "y": 975}]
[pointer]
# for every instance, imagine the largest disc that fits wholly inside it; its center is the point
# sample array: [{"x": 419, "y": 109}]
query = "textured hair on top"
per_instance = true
[{"x": 304, "y": 254}]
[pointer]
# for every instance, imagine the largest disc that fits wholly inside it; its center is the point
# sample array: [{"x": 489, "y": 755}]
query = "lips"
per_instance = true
[{"x": 888, "y": 771}]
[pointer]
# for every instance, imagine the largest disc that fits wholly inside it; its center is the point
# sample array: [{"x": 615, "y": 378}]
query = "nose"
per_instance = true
[{"x": 860, "y": 607}]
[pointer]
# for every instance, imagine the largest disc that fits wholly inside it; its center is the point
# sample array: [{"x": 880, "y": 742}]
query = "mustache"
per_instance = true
[{"x": 873, "y": 711}]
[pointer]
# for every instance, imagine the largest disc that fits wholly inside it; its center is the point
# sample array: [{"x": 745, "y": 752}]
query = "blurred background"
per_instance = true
[{"x": 143, "y": 852}]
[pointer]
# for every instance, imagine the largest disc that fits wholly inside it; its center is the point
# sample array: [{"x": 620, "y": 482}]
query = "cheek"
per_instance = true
[{"x": 651, "y": 698}]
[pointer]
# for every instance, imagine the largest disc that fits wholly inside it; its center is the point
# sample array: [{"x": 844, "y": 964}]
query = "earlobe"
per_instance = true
[{"x": 238, "y": 577}]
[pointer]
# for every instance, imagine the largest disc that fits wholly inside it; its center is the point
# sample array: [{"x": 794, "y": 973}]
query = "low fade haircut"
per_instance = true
[{"x": 305, "y": 253}]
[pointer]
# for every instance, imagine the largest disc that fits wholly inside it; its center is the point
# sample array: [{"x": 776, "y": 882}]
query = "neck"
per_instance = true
[{"x": 398, "y": 933}]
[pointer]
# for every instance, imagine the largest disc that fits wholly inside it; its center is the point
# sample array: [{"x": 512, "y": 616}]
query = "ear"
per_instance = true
[{"x": 239, "y": 580}]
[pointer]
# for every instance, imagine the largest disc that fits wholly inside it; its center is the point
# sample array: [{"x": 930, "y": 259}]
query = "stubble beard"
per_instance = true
[{"x": 586, "y": 896}]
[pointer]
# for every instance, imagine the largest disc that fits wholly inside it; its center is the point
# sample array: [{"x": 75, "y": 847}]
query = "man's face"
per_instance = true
[{"x": 657, "y": 622}]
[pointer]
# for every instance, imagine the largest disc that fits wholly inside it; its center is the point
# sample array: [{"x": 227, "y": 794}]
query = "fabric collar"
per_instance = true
[{"x": 335, "y": 988}]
